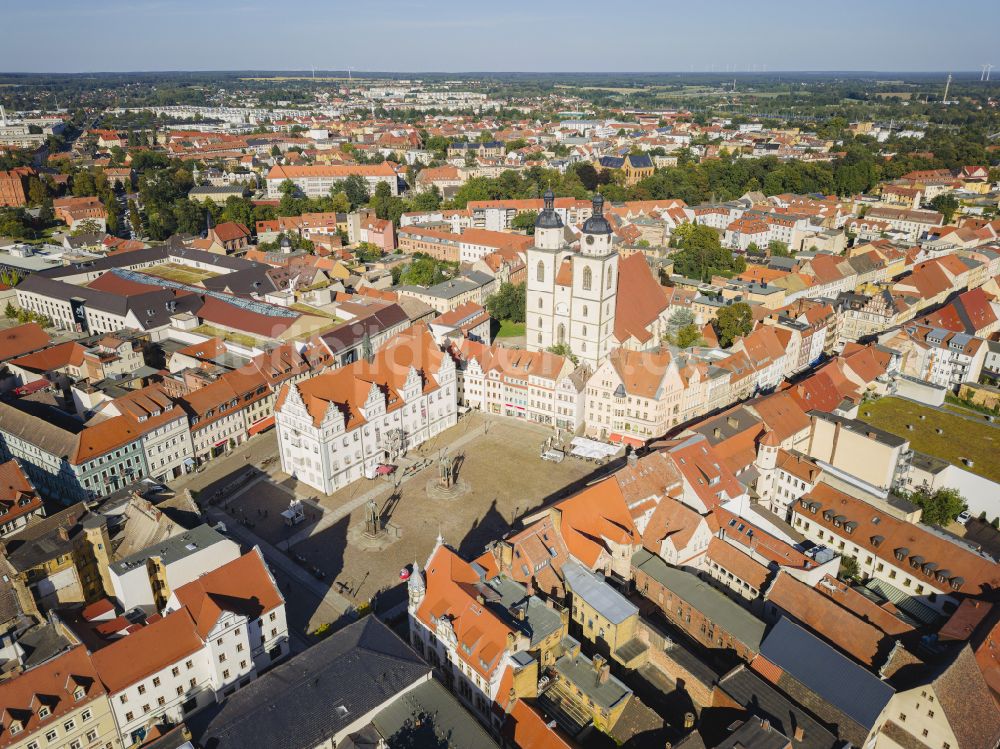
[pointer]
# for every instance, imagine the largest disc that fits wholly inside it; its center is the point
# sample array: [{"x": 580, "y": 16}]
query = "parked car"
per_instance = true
[{"x": 964, "y": 517}]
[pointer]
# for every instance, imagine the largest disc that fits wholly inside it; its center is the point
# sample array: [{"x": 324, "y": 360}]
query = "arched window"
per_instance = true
[
  {"x": 539, "y": 302},
  {"x": 540, "y": 323},
  {"x": 561, "y": 334},
  {"x": 610, "y": 274},
  {"x": 588, "y": 279},
  {"x": 585, "y": 310},
  {"x": 539, "y": 337},
  {"x": 540, "y": 272},
  {"x": 584, "y": 330}
]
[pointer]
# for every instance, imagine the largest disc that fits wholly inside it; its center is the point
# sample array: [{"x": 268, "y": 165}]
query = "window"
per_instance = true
[
  {"x": 92, "y": 735},
  {"x": 273, "y": 616},
  {"x": 161, "y": 701},
  {"x": 219, "y": 641},
  {"x": 222, "y": 658},
  {"x": 588, "y": 279},
  {"x": 128, "y": 718},
  {"x": 540, "y": 272},
  {"x": 180, "y": 691},
  {"x": 902, "y": 717},
  {"x": 142, "y": 689},
  {"x": 75, "y": 744},
  {"x": 69, "y": 725},
  {"x": 225, "y": 674},
  {"x": 43, "y": 711},
  {"x": 193, "y": 683},
  {"x": 145, "y": 708},
  {"x": 239, "y": 647},
  {"x": 86, "y": 715},
  {"x": 175, "y": 671},
  {"x": 189, "y": 665},
  {"x": 243, "y": 664},
  {"x": 156, "y": 681},
  {"x": 123, "y": 699}
]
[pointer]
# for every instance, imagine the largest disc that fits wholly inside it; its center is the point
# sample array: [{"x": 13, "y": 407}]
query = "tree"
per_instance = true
[
  {"x": 9, "y": 312},
  {"x": 341, "y": 203},
  {"x": 37, "y": 192},
  {"x": 778, "y": 248},
  {"x": 427, "y": 200},
  {"x": 423, "y": 271},
  {"x": 733, "y": 321},
  {"x": 355, "y": 187},
  {"x": 940, "y": 507},
  {"x": 508, "y": 303},
  {"x": 701, "y": 254},
  {"x": 849, "y": 569},
  {"x": 687, "y": 335},
  {"x": 525, "y": 221},
  {"x": 275, "y": 151},
  {"x": 563, "y": 349},
  {"x": 946, "y": 204},
  {"x": 87, "y": 226},
  {"x": 367, "y": 253}
]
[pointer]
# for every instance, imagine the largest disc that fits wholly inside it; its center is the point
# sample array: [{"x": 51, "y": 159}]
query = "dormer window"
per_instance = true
[
  {"x": 43, "y": 711},
  {"x": 79, "y": 693},
  {"x": 901, "y": 553},
  {"x": 15, "y": 728}
]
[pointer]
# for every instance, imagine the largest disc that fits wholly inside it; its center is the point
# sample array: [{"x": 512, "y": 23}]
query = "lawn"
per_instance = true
[
  {"x": 960, "y": 437},
  {"x": 227, "y": 335},
  {"x": 510, "y": 329},
  {"x": 178, "y": 273}
]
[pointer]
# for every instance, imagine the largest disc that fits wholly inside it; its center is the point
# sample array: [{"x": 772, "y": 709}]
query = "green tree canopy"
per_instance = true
[
  {"x": 941, "y": 506},
  {"x": 508, "y": 303},
  {"x": 733, "y": 321}
]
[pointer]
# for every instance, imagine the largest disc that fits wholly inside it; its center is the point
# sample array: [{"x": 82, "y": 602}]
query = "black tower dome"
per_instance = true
[
  {"x": 548, "y": 218},
  {"x": 597, "y": 224}
]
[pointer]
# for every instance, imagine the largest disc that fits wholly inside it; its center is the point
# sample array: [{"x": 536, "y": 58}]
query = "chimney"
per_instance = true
[
  {"x": 63, "y": 533},
  {"x": 799, "y": 734},
  {"x": 765, "y": 725},
  {"x": 598, "y": 662},
  {"x": 605, "y": 672}
]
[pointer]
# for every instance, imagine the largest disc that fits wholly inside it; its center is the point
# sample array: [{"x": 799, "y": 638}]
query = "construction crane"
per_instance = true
[{"x": 947, "y": 85}]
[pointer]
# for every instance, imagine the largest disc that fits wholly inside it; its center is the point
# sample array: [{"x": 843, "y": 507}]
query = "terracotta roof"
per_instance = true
[
  {"x": 640, "y": 299},
  {"x": 347, "y": 388},
  {"x": 857, "y": 638},
  {"x": 674, "y": 521},
  {"x": 231, "y": 230},
  {"x": 978, "y": 574},
  {"x": 242, "y": 586},
  {"x": 17, "y": 494},
  {"x": 69, "y": 354},
  {"x": 53, "y": 684},
  {"x": 883, "y": 617},
  {"x": 642, "y": 373},
  {"x": 384, "y": 169},
  {"x": 964, "y": 696},
  {"x": 147, "y": 650},
  {"x": 22, "y": 339},
  {"x": 451, "y": 594},
  {"x": 593, "y": 517},
  {"x": 740, "y": 564},
  {"x": 526, "y": 729}
]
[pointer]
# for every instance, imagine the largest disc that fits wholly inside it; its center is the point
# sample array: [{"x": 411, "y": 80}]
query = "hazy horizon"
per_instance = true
[{"x": 418, "y": 37}]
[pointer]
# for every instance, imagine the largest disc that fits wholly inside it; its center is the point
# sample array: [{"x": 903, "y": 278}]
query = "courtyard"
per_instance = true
[{"x": 502, "y": 477}]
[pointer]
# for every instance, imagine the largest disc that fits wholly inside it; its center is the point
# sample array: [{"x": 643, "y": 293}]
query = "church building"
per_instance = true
[{"x": 589, "y": 300}]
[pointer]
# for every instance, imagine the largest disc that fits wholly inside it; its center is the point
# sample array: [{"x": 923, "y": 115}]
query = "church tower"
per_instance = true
[
  {"x": 543, "y": 261},
  {"x": 595, "y": 290}
]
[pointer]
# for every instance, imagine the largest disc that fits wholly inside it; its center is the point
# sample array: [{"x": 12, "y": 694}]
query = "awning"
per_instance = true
[
  {"x": 262, "y": 425},
  {"x": 626, "y": 440},
  {"x": 385, "y": 470},
  {"x": 220, "y": 443}
]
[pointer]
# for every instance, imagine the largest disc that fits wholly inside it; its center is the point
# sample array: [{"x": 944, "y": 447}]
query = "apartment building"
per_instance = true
[
  {"x": 149, "y": 577},
  {"x": 61, "y": 702},
  {"x": 634, "y": 396},
  {"x": 315, "y": 181},
  {"x": 908, "y": 559},
  {"x": 534, "y": 385},
  {"x": 19, "y": 502}
]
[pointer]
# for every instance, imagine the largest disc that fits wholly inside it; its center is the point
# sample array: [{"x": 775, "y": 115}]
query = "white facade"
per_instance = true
[
  {"x": 572, "y": 296},
  {"x": 334, "y": 452}
]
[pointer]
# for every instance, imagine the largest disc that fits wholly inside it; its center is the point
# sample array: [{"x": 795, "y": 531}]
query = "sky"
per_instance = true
[{"x": 515, "y": 35}]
